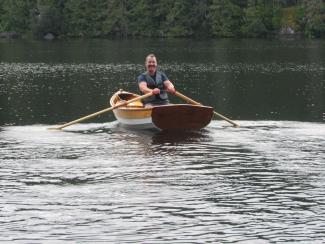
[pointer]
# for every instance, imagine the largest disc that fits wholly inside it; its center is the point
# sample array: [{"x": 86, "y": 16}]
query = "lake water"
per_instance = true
[{"x": 98, "y": 182}]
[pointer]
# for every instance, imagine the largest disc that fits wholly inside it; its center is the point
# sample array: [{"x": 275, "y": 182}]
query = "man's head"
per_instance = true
[{"x": 151, "y": 64}]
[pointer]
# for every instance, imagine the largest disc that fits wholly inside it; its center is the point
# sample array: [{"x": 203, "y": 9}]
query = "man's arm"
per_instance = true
[
  {"x": 169, "y": 86},
  {"x": 145, "y": 89}
]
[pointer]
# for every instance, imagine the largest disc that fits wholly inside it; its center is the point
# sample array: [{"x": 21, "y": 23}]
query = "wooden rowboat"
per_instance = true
[{"x": 166, "y": 117}]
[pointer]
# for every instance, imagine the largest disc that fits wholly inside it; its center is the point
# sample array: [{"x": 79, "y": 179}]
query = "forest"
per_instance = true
[{"x": 163, "y": 18}]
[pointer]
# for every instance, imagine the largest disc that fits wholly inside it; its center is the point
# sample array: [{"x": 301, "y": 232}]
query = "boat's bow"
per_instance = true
[{"x": 181, "y": 117}]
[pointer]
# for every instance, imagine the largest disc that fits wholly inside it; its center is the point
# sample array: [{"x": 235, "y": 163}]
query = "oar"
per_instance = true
[
  {"x": 189, "y": 100},
  {"x": 101, "y": 112}
]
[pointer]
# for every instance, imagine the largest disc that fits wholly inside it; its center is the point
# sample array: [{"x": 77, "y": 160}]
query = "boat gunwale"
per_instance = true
[
  {"x": 126, "y": 108},
  {"x": 114, "y": 98}
]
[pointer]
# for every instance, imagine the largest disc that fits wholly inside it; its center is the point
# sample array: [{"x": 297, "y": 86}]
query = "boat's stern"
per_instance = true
[{"x": 133, "y": 114}]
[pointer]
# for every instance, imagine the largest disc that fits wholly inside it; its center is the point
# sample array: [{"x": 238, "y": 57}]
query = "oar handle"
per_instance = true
[
  {"x": 102, "y": 111},
  {"x": 189, "y": 100}
]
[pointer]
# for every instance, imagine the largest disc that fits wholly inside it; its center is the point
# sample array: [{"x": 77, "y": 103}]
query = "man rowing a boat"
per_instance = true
[{"x": 156, "y": 82}]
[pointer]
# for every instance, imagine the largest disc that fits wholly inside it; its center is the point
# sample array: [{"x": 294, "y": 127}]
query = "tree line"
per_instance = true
[{"x": 162, "y": 18}]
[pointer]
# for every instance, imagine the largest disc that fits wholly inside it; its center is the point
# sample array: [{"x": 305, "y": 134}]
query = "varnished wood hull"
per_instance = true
[
  {"x": 166, "y": 117},
  {"x": 181, "y": 116}
]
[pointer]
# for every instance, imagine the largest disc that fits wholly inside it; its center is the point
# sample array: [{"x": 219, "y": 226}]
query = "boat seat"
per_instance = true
[{"x": 136, "y": 104}]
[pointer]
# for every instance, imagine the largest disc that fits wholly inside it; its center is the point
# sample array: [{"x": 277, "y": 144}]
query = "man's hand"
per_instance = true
[
  {"x": 156, "y": 91},
  {"x": 171, "y": 89}
]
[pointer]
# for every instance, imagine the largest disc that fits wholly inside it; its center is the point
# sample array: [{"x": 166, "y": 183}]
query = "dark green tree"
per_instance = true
[
  {"x": 146, "y": 17},
  {"x": 226, "y": 18},
  {"x": 16, "y": 15},
  {"x": 200, "y": 21},
  {"x": 313, "y": 18},
  {"x": 1, "y": 16},
  {"x": 49, "y": 18},
  {"x": 253, "y": 25},
  {"x": 84, "y": 17},
  {"x": 179, "y": 18},
  {"x": 162, "y": 18},
  {"x": 115, "y": 18}
]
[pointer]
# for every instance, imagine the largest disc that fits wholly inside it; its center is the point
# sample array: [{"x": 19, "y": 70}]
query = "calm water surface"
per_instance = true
[{"x": 98, "y": 182}]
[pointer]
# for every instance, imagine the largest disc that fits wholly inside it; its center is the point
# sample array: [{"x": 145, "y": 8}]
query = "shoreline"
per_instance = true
[{"x": 13, "y": 35}]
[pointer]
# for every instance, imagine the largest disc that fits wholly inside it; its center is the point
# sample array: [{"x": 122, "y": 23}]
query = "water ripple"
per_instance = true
[{"x": 260, "y": 183}]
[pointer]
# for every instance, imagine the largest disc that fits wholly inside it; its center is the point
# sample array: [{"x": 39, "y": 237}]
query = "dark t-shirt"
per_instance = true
[
  {"x": 143, "y": 77},
  {"x": 157, "y": 99}
]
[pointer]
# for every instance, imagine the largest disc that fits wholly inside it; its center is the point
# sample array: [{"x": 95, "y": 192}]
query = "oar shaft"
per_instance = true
[
  {"x": 86, "y": 117},
  {"x": 102, "y": 111},
  {"x": 189, "y": 100},
  {"x": 226, "y": 119}
]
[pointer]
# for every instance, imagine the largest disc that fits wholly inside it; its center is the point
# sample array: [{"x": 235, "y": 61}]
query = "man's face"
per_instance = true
[{"x": 151, "y": 65}]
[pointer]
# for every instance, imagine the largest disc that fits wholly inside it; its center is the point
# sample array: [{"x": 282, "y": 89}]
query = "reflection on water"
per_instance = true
[{"x": 262, "y": 182}]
